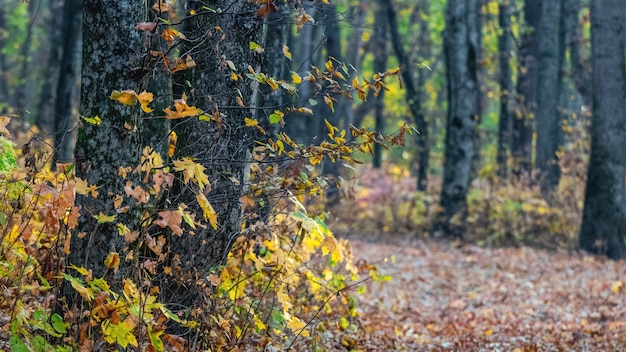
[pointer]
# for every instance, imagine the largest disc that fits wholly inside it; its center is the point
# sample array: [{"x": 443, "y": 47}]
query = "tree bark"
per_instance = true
[
  {"x": 108, "y": 64},
  {"x": 22, "y": 91},
  {"x": 412, "y": 95},
  {"x": 379, "y": 49},
  {"x": 505, "y": 46},
  {"x": 523, "y": 123},
  {"x": 45, "y": 108},
  {"x": 222, "y": 146},
  {"x": 604, "y": 213},
  {"x": 461, "y": 46},
  {"x": 4, "y": 89},
  {"x": 548, "y": 87},
  {"x": 580, "y": 72},
  {"x": 68, "y": 87}
]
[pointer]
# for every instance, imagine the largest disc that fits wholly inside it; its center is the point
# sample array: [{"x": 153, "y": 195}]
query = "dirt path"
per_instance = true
[{"x": 476, "y": 299}]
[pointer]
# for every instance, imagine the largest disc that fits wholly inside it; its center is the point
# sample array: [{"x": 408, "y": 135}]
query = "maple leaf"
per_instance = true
[
  {"x": 181, "y": 109},
  {"x": 207, "y": 210},
  {"x": 112, "y": 261},
  {"x": 126, "y": 97},
  {"x": 192, "y": 170},
  {"x": 144, "y": 99},
  {"x": 171, "y": 219}
]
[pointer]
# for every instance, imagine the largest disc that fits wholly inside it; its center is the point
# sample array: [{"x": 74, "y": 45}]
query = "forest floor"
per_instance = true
[{"x": 452, "y": 297}]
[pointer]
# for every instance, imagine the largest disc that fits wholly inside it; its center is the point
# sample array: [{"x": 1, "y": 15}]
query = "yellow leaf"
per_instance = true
[
  {"x": 112, "y": 261},
  {"x": 617, "y": 286},
  {"x": 250, "y": 122},
  {"x": 92, "y": 120},
  {"x": 207, "y": 210},
  {"x": 192, "y": 170},
  {"x": 295, "y": 78},
  {"x": 103, "y": 219},
  {"x": 181, "y": 109},
  {"x": 145, "y": 98},
  {"x": 234, "y": 76},
  {"x": 126, "y": 97},
  {"x": 286, "y": 52},
  {"x": 488, "y": 332},
  {"x": 256, "y": 47}
]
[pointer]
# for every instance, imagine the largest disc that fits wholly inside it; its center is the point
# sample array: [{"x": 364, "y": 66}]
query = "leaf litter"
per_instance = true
[{"x": 452, "y": 297}]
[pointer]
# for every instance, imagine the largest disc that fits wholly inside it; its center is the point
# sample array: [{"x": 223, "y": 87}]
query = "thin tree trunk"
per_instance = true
[
  {"x": 423, "y": 74},
  {"x": 4, "y": 89},
  {"x": 354, "y": 57},
  {"x": 68, "y": 88},
  {"x": 604, "y": 213},
  {"x": 379, "y": 49},
  {"x": 548, "y": 86},
  {"x": 505, "y": 46},
  {"x": 47, "y": 100},
  {"x": 579, "y": 69},
  {"x": 461, "y": 45},
  {"x": 523, "y": 123},
  {"x": 25, "y": 77},
  {"x": 412, "y": 95}
]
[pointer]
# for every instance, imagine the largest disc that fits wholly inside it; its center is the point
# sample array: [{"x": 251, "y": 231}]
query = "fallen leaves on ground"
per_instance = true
[{"x": 465, "y": 298}]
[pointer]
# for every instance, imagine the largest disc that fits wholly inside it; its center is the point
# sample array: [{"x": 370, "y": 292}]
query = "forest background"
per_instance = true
[{"x": 491, "y": 100}]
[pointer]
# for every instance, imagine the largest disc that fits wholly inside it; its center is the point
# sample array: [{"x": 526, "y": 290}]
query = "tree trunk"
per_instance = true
[
  {"x": 423, "y": 74},
  {"x": 45, "y": 108},
  {"x": 604, "y": 214},
  {"x": 299, "y": 126},
  {"x": 4, "y": 89},
  {"x": 22, "y": 91},
  {"x": 108, "y": 64},
  {"x": 412, "y": 95},
  {"x": 354, "y": 57},
  {"x": 379, "y": 49},
  {"x": 222, "y": 146},
  {"x": 579, "y": 68},
  {"x": 461, "y": 45},
  {"x": 155, "y": 131},
  {"x": 68, "y": 88},
  {"x": 505, "y": 46},
  {"x": 521, "y": 148},
  {"x": 548, "y": 86}
]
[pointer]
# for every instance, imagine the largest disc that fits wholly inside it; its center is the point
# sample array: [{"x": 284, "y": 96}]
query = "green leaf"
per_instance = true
[
  {"x": 58, "y": 324},
  {"x": 274, "y": 118}
]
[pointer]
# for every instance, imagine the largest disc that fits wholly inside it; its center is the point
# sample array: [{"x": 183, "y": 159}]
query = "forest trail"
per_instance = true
[{"x": 447, "y": 297}]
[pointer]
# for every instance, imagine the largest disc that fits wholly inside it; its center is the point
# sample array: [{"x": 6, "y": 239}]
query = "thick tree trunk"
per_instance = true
[
  {"x": 604, "y": 214},
  {"x": 549, "y": 130},
  {"x": 461, "y": 45},
  {"x": 521, "y": 148},
  {"x": 108, "y": 33},
  {"x": 45, "y": 108},
  {"x": 222, "y": 146},
  {"x": 68, "y": 88},
  {"x": 505, "y": 46}
]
